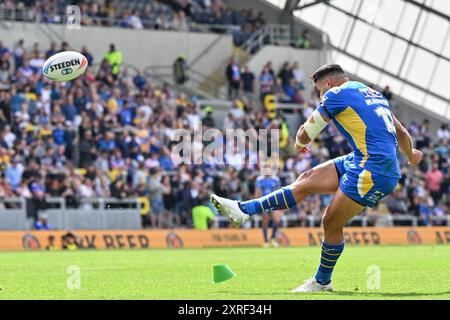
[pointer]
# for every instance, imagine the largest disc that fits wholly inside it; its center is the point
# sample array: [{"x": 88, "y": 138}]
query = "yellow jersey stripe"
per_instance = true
[
  {"x": 262, "y": 207},
  {"x": 364, "y": 160},
  {"x": 356, "y": 128}
]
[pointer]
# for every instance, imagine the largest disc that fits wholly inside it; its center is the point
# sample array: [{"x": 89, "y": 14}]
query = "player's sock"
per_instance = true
[
  {"x": 277, "y": 200},
  {"x": 274, "y": 231},
  {"x": 330, "y": 255},
  {"x": 264, "y": 230}
]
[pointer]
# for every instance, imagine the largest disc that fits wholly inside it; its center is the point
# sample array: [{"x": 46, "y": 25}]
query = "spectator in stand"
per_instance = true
[
  {"x": 51, "y": 51},
  {"x": 3, "y": 49},
  {"x": 443, "y": 132},
  {"x": 270, "y": 68},
  {"x": 279, "y": 91},
  {"x": 304, "y": 41},
  {"x": 7, "y": 137},
  {"x": 298, "y": 97},
  {"x": 299, "y": 75},
  {"x": 4, "y": 70},
  {"x": 259, "y": 20},
  {"x": 183, "y": 5},
  {"x": 25, "y": 72},
  {"x": 42, "y": 223},
  {"x": 5, "y": 190},
  {"x": 248, "y": 83},
  {"x": 13, "y": 173},
  {"x": 286, "y": 74},
  {"x": 238, "y": 113},
  {"x": 114, "y": 59},
  {"x": 64, "y": 46},
  {"x": 155, "y": 191},
  {"x": 179, "y": 21},
  {"x": 127, "y": 114},
  {"x": 397, "y": 203},
  {"x": 202, "y": 216},
  {"x": 426, "y": 208},
  {"x": 434, "y": 182},
  {"x": 387, "y": 93},
  {"x": 88, "y": 55},
  {"x": 179, "y": 69},
  {"x": 19, "y": 53},
  {"x": 439, "y": 211},
  {"x": 233, "y": 75},
  {"x": 139, "y": 80},
  {"x": 290, "y": 89},
  {"x": 39, "y": 193},
  {"x": 266, "y": 82},
  {"x": 36, "y": 62},
  {"x": 423, "y": 137},
  {"x": 208, "y": 120},
  {"x": 134, "y": 21},
  {"x": 445, "y": 187}
]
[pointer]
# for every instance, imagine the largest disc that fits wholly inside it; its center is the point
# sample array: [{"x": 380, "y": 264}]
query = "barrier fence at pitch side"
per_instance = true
[{"x": 130, "y": 239}]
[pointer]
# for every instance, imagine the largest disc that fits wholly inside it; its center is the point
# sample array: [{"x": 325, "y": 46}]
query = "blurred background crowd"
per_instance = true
[
  {"x": 110, "y": 134},
  {"x": 181, "y": 15}
]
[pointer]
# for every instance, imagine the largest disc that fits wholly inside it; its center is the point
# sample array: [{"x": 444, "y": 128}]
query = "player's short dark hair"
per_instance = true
[{"x": 327, "y": 70}]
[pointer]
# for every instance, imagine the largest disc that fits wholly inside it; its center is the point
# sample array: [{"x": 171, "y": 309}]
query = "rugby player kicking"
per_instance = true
[{"x": 357, "y": 180}]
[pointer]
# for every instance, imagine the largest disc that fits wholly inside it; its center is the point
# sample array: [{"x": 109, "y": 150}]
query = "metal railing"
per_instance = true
[
  {"x": 111, "y": 203},
  {"x": 278, "y": 34},
  {"x": 17, "y": 205},
  {"x": 60, "y": 202},
  {"x": 103, "y": 213}
]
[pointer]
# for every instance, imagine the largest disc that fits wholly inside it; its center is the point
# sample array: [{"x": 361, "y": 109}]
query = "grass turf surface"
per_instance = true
[{"x": 408, "y": 272}]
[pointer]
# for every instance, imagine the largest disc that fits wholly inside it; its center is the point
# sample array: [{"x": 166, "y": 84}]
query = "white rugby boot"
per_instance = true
[
  {"x": 274, "y": 243},
  {"x": 229, "y": 209},
  {"x": 311, "y": 285}
]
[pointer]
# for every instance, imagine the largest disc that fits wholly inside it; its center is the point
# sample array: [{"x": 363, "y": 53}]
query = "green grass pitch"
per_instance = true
[{"x": 408, "y": 272}]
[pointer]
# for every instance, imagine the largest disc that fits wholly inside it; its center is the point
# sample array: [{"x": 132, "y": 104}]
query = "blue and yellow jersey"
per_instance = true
[
  {"x": 267, "y": 184},
  {"x": 365, "y": 118}
]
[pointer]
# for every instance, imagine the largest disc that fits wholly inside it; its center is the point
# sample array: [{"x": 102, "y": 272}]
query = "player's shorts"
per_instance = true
[{"x": 362, "y": 186}]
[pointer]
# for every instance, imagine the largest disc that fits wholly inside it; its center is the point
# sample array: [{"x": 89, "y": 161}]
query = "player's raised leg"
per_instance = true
[
  {"x": 322, "y": 179},
  {"x": 337, "y": 214}
]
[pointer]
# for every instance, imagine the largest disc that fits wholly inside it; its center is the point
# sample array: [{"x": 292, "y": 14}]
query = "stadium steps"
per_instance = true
[
  {"x": 215, "y": 83},
  {"x": 3, "y": 25},
  {"x": 189, "y": 88}
]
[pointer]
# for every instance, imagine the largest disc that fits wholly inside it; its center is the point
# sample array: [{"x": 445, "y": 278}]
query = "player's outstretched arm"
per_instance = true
[
  {"x": 405, "y": 143},
  {"x": 310, "y": 130}
]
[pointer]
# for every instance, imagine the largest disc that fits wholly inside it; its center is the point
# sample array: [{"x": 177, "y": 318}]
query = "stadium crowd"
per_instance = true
[
  {"x": 110, "y": 134},
  {"x": 287, "y": 84},
  {"x": 180, "y": 15}
]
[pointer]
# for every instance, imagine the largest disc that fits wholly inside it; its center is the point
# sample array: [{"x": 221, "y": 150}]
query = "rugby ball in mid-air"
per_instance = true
[{"x": 65, "y": 66}]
